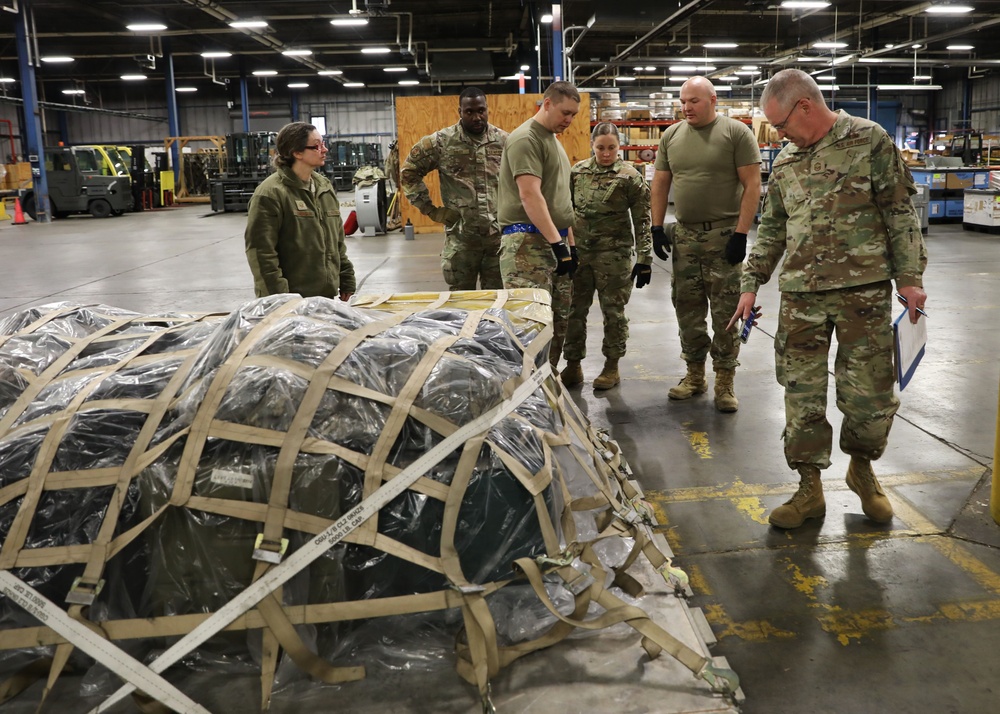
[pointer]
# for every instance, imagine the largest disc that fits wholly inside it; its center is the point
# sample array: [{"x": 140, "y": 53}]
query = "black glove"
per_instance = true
[
  {"x": 641, "y": 274},
  {"x": 565, "y": 264},
  {"x": 736, "y": 248},
  {"x": 661, "y": 243},
  {"x": 576, "y": 258}
]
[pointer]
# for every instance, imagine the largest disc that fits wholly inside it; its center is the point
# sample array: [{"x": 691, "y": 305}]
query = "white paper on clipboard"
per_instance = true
[{"x": 911, "y": 342}]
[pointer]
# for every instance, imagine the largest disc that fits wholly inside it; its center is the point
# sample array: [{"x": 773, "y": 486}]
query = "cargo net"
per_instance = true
[{"x": 269, "y": 483}]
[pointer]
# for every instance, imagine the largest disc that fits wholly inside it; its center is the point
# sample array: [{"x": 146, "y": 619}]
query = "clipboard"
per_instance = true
[{"x": 910, "y": 343}]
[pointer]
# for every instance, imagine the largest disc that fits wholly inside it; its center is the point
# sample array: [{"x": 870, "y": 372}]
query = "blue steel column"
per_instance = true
[
  {"x": 173, "y": 118},
  {"x": 34, "y": 141},
  {"x": 244, "y": 97},
  {"x": 557, "y": 43}
]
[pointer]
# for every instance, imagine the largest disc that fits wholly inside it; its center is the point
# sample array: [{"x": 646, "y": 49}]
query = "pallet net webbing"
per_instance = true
[{"x": 203, "y": 449}]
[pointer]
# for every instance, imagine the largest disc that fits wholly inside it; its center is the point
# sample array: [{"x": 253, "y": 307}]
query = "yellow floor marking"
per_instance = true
[
  {"x": 698, "y": 441},
  {"x": 749, "y": 631},
  {"x": 958, "y": 553},
  {"x": 751, "y": 506},
  {"x": 805, "y": 584},
  {"x": 849, "y": 625},
  {"x": 697, "y": 581},
  {"x": 738, "y": 489}
]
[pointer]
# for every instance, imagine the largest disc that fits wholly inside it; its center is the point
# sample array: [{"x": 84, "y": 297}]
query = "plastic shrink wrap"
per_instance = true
[{"x": 145, "y": 460}]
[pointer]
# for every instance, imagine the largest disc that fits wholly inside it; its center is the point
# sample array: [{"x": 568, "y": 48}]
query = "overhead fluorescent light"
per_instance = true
[
  {"x": 354, "y": 84},
  {"x": 706, "y": 68},
  {"x": 74, "y": 91},
  {"x": 728, "y": 78},
  {"x": 638, "y": 69},
  {"x": 133, "y": 77},
  {"x": 525, "y": 67},
  {"x": 409, "y": 82},
  {"x": 960, "y": 48},
  {"x": 624, "y": 78},
  {"x": 650, "y": 68},
  {"x": 681, "y": 68},
  {"x": 803, "y": 58},
  {"x": 804, "y": 4},
  {"x": 297, "y": 53},
  {"x": 146, "y": 27},
  {"x": 298, "y": 85},
  {"x": 948, "y": 9},
  {"x": 349, "y": 21},
  {"x": 749, "y": 66},
  {"x": 705, "y": 60},
  {"x": 825, "y": 78},
  {"x": 11, "y": 80},
  {"x": 871, "y": 60},
  {"x": 57, "y": 59},
  {"x": 264, "y": 72},
  {"x": 515, "y": 76},
  {"x": 905, "y": 87},
  {"x": 828, "y": 87},
  {"x": 546, "y": 19},
  {"x": 889, "y": 45},
  {"x": 915, "y": 46},
  {"x": 720, "y": 45},
  {"x": 394, "y": 69},
  {"x": 215, "y": 55},
  {"x": 829, "y": 45},
  {"x": 924, "y": 77},
  {"x": 375, "y": 50},
  {"x": 185, "y": 89},
  {"x": 672, "y": 78},
  {"x": 329, "y": 72},
  {"x": 247, "y": 24},
  {"x": 747, "y": 72}
]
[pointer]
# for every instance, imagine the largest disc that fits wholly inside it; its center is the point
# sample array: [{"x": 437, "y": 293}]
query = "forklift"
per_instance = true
[
  {"x": 246, "y": 162},
  {"x": 78, "y": 185}
]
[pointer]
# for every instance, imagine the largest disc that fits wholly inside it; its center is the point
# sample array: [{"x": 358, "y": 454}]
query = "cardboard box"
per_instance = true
[
  {"x": 958, "y": 179},
  {"x": 638, "y": 115}
]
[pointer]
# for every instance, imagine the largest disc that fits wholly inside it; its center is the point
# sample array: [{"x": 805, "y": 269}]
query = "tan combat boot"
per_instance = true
[
  {"x": 693, "y": 382},
  {"x": 609, "y": 376},
  {"x": 808, "y": 501},
  {"x": 725, "y": 396},
  {"x": 573, "y": 374},
  {"x": 861, "y": 479}
]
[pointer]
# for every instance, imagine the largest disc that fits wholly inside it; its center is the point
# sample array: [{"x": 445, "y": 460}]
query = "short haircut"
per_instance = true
[
  {"x": 471, "y": 92},
  {"x": 605, "y": 128},
  {"x": 788, "y": 86},
  {"x": 291, "y": 138},
  {"x": 557, "y": 91}
]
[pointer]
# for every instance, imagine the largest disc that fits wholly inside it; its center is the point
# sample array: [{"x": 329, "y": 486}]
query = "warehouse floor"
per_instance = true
[{"x": 841, "y": 615}]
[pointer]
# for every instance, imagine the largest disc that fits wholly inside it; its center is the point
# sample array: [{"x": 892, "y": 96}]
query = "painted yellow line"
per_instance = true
[
  {"x": 749, "y": 631},
  {"x": 751, "y": 506},
  {"x": 958, "y": 553},
  {"x": 698, "y": 441},
  {"x": 738, "y": 489},
  {"x": 697, "y": 581},
  {"x": 805, "y": 584}
]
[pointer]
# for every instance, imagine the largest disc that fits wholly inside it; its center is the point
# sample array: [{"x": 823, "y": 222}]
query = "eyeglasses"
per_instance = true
[
  {"x": 316, "y": 147},
  {"x": 783, "y": 124}
]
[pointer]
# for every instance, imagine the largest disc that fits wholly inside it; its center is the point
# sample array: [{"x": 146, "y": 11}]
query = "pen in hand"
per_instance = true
[{"x": 906, "y": 302}]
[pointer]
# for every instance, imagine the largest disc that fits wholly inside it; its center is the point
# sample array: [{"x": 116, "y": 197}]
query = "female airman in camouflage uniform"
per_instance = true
[{"x": 610, "y": 199}]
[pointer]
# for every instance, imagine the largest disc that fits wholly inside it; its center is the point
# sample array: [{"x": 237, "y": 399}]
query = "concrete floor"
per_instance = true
[{"x": 839, "y": 616}]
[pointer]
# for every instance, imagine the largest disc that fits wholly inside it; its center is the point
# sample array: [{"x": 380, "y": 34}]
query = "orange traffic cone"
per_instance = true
[{"x": 18, "y": 213}]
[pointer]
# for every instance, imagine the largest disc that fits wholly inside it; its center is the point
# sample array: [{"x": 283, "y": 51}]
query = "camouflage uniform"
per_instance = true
[
  {"x": 840, "y": 213},
  {"x": 704, "y": 162},
  {"x": 608, "y": 201},
  {"x": 526, "y": 258},
  {"x": 468, "y": 168}
]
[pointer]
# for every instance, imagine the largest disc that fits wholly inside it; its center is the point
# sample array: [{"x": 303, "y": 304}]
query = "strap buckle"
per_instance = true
[
  {"x": 84, "y": 592},
  {"x": 269, "y": 551}
]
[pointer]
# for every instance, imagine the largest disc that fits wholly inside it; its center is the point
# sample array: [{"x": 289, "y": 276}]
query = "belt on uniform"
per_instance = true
[
  {"x": 710, "y": 225},
  {"x": 528, "y": 228}
]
